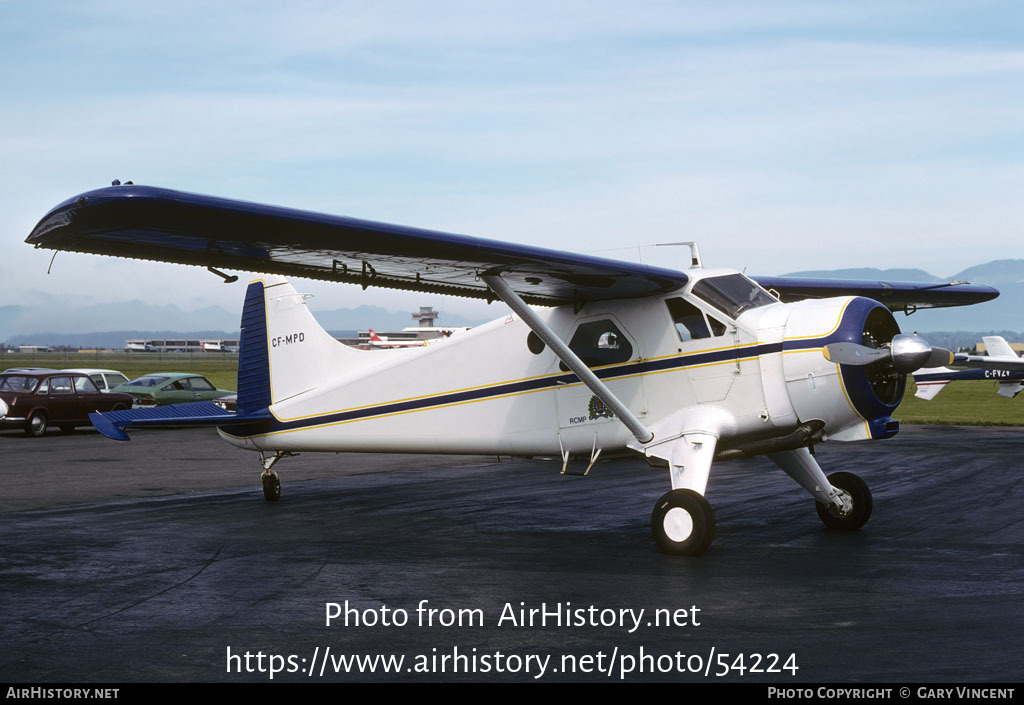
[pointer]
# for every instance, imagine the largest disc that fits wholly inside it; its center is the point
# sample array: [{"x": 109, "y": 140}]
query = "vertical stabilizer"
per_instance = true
[
  {"x": 253, "y": 362},
  {"x": 996, "y": 346},
  {"x": 284, "y": 351}
]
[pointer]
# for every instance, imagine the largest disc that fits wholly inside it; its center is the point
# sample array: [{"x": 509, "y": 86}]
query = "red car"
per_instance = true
[{"x": 38, "y": 399}]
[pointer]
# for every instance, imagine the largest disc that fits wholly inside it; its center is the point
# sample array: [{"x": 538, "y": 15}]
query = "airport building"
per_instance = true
[{"x": 192, "y": 345}]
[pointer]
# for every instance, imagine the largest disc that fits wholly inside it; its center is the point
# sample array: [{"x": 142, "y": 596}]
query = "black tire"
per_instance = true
[
  {"x": 682, "y": 523},
  {"x": 860, "y": 495},
  {"x": 36, "y": 424},
  {"x": 271, "y": 488}
]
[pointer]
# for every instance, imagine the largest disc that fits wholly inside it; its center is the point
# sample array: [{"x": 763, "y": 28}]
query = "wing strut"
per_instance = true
[{"x": 571, "y": 360}]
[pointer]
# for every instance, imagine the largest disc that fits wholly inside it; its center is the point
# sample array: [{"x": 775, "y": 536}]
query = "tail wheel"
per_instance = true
[
  {"x": 859, "y": 499},
  {"x": 271, "y": 487},
  {"x": 682, "y": 523}
]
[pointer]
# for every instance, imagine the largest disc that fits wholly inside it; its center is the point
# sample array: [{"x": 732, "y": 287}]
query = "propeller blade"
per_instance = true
[
  {"x": 940, "y": 357},
  {"x": 854, "y": 354},
  {"x": 908, "y": 353}
]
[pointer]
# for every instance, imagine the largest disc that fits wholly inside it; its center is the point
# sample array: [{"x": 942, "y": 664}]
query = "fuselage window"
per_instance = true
[
  {"x": 690, "y": 322},
  {"x": 599, "y": 343}
]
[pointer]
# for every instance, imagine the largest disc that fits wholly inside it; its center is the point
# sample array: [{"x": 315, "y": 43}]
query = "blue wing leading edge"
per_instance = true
[{"x": 144, "y": 222}]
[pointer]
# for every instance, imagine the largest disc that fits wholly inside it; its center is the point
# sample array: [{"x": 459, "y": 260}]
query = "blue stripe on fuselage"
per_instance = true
[
  {"x": 849, "y": 329},
  {"x": 637, "y": 367}
]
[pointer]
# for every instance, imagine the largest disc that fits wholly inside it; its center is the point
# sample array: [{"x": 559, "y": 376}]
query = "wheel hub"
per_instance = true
[
  {"x": 841, "y": 504},
  {"x": 678, "y": 524}
]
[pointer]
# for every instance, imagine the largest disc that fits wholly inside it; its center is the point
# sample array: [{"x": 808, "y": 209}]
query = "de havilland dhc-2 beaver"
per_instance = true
[{"x": 680, "y": 367}]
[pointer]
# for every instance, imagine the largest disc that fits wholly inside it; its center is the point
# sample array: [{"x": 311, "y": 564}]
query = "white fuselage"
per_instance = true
[{"x": 485, "y": 391}]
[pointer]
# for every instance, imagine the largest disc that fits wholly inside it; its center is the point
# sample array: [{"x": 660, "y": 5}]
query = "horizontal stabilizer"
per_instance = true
[
  {"x": 929, "y": 390},
  {"x": 201, "y": 413},
  {"x": 1009, "y": 389}
]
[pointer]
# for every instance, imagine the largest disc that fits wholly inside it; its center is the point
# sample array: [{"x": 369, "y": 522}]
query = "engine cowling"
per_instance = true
[{"x": 854, "y": 402}]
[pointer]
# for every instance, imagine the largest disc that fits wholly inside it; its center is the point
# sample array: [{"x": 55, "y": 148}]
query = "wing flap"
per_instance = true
[{"x": 142, "y": 222}]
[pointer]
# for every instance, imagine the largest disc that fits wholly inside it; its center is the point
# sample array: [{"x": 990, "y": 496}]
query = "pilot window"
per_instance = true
[
  {"x": 732, "y": 294},
  {"x": 599, "y": 343},
  {"x": 690, "y": 321}
]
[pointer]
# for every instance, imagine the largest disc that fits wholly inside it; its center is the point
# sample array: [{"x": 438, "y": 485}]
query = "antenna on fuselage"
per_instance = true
[{"x": 695, "y": 262}]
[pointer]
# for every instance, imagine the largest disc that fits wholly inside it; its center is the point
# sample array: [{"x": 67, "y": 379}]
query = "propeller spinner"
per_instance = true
[{"x": 907, "y": 353}]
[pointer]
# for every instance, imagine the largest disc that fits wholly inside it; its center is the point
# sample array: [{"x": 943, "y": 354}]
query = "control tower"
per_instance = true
[{"x": 426, "y": 316}]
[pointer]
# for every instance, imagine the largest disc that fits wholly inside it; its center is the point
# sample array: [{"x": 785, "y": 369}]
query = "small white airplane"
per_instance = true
[
  {"x": 377, "y": 341},
  {"x": 679, "y": 367},
  {"x": 1001, "y": 363}
]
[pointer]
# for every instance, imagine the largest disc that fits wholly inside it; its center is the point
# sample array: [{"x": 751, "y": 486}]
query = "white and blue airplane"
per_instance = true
[
  {"x": 1001, "y": 364},
  {"x": 677, "y": 367}
]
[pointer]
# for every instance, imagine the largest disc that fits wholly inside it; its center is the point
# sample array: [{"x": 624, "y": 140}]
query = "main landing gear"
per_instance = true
[
  {"x": 683, "y": 523},
  {"x": 271, "y": 480}
]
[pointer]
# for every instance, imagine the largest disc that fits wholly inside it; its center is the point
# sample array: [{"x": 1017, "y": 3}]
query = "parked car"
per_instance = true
[
  {"x": 170, "y": 388},
  {"x": 38, "y": 399},
  {"x": 105, "y": 380},
  {"x": 228, "y": 403}
]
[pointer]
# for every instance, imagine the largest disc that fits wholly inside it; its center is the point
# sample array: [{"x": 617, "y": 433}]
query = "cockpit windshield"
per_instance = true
[{"x": 732, "y": 294}]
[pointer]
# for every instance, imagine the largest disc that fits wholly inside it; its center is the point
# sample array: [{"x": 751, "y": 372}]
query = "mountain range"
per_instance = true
[{"x": 108, "y": 325}]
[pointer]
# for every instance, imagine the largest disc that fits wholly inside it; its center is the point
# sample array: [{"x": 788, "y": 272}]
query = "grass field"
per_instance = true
[
  {"x": 220, "y": 368},
  {"x": 967, "y": 403}
]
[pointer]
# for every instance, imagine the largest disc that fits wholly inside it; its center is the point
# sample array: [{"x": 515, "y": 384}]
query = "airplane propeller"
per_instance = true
[{"x": 906, "y": 352}]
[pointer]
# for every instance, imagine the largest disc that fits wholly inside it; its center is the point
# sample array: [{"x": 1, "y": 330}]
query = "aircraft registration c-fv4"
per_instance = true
[{"x": 680, "y": 367}]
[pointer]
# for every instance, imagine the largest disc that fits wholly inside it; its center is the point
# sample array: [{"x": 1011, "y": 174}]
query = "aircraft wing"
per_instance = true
[
  {"x": 897, "y": 296},
  {"x": 143, "y": 222}
]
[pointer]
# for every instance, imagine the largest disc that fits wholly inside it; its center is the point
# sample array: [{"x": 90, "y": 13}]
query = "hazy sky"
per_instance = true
[{"x": 780, "y": 135}]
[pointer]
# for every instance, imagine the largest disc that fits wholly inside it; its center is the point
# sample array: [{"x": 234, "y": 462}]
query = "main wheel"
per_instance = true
[
  {"x": 271, "y": 487},
  {"x": 860, "y": 499},
  {"x": 37, "y": 424},
  {"x": 682, "y": 523}
]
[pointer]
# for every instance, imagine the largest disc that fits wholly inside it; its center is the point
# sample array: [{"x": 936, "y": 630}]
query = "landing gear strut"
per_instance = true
[{"x": 843, "y": 499}]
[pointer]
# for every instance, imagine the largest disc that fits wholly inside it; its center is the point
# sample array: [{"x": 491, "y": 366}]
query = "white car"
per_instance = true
[{"x": 105, "y": 380}]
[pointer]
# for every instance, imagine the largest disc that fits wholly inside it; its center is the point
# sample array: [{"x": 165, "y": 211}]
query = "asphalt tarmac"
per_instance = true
[{"x": 159, "y": 561}]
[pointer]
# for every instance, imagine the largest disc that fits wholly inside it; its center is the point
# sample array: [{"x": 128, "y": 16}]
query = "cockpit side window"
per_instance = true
[
  {"x": 732, "y": 294},
  {"x": 600, "y": 343},
  {"x": 690, "y": 321}
]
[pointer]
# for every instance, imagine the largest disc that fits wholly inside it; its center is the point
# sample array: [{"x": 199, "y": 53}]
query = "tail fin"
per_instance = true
[
  {"x": 996, "y": 346},
  {"x": 931, "y": 381},
  {"x": 284, "y": 351}
]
